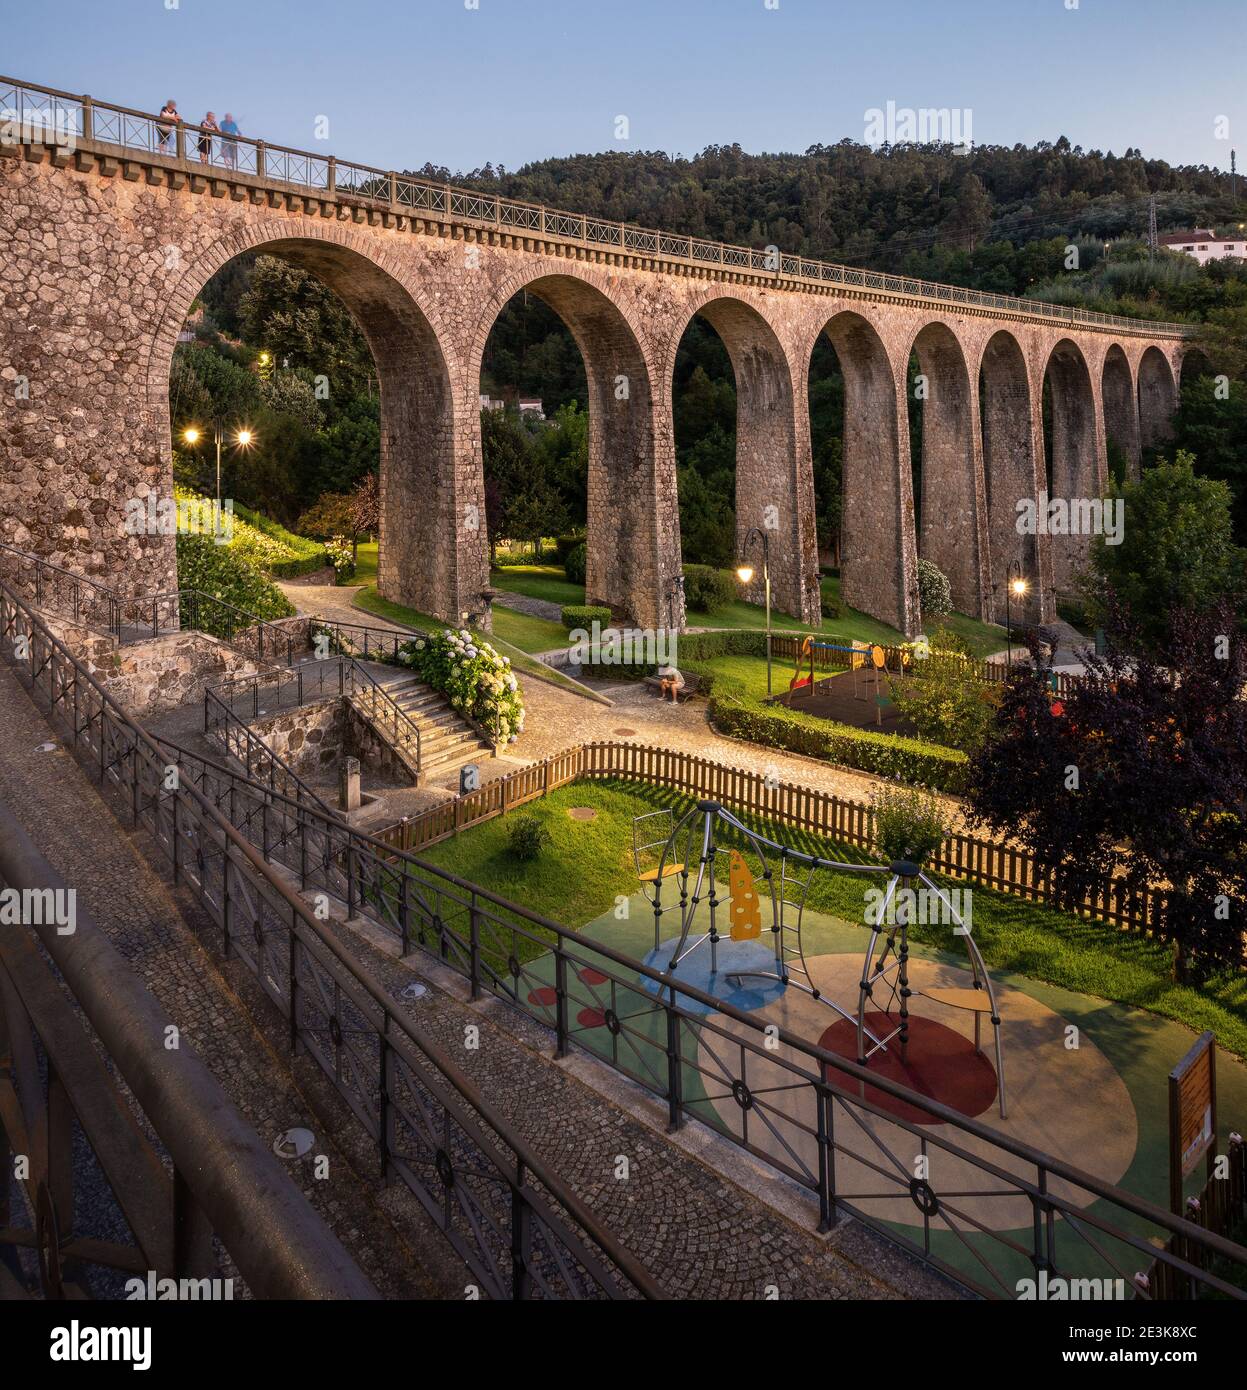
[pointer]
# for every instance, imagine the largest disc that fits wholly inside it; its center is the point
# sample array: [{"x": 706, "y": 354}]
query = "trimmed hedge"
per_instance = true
[
  {"x": 309, "y": 555},
  {"x": 708, "y": 590},
  {"x": 574, "y": 564},
  {"x": 564, "y": 545},
  {"x": 585, "y": 615},
  {"x": 737, "y": 713}
]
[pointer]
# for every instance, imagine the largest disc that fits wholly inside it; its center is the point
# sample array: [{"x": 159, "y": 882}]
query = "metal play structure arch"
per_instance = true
[{"x": 687, "y": 852}]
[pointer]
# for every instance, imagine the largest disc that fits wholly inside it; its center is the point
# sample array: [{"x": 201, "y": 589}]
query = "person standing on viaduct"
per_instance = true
[
  {"x": 169, "y": 118},
  {"x": 206, "y": 132}
]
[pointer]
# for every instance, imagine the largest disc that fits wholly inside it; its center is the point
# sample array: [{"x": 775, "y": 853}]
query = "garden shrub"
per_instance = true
[
  {"x": 341, "y": 555},
  {"x": 222, "y": 572},
  {"x": 584, "y": 615},
  {"x": 910, "y": 824},
  {"x": 563, "y": 547},
  {"x": 935, "y": 594},
  {"x": 479, "y": 682},
  {"x": 574, "y": 564},
  {"x": 830, "y": 608},
  {"x": 527, "y": 837},
  {"x": 946, "y": 703},
  {"x": 708, "y": 590}
]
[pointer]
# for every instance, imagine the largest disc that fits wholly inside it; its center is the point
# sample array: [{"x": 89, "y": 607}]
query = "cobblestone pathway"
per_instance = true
[
  {"x": 699, "y": 1233},
  {"x": 534, "y": 607}
]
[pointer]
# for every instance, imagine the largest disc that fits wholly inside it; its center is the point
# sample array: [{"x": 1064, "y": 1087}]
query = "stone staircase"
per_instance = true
[{"x": 447, "y": 740}]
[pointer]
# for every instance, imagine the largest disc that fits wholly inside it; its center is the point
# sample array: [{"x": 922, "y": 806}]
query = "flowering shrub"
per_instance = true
[
  {"x": 479, "y": 682},
  {"x": 341, "y": 556},
  {"x": 219, "y": 570}
]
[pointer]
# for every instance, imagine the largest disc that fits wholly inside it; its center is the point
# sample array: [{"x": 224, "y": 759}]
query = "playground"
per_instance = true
[
  {"x": 781, "y": 941},
  {"x": 863, "y": 696}
]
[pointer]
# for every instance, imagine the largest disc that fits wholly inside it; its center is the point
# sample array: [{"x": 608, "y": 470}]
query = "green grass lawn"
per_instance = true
[
  {"x": 587, "y": 865},
  {"x": 366, "y": 563},
  {"x": 548, "y": 582},
  {"x": 538, "y": 581}
]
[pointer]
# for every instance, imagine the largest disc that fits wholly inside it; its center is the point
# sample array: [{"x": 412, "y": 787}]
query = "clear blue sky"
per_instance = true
[{"x": 405, "y": 81}]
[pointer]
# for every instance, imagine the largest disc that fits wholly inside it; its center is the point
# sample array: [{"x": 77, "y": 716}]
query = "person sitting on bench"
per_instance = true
[{"x": 670, "y": 683}]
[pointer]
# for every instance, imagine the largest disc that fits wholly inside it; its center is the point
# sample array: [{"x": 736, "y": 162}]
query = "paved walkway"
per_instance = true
[{"x": 534, "y": 607}]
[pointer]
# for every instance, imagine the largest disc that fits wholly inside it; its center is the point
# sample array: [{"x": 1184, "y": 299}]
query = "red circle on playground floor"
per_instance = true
[
  {"x": 591, "y": 1018},
  {"x": 591, "y": 976},
  {"x": 940, "y": 1064},
  {"x": 547, "y": 994}
]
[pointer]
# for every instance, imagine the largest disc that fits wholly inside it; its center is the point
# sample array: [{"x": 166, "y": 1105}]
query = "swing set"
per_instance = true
[
  {"x": 682, "y": 859},
  {"x": 868, "y": 663}
]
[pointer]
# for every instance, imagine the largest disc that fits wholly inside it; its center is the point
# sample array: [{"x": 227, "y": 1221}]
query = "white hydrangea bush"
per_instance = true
[{"x": 478, "y": 681}]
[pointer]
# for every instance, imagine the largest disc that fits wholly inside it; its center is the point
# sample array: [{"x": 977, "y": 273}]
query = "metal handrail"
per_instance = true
[
  {"x": 352, "y": 678},
  {"x": 255, "y": 751},
  {"x": 212, "y": 854},
  {"x": 77, "y": 582},
  {"x": 95, "y": 121},
  {"x": 281, "y": 1245}
]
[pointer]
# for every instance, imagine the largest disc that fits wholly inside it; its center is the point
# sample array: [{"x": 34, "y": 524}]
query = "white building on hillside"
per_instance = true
[{"x": 1205, "y": 245}]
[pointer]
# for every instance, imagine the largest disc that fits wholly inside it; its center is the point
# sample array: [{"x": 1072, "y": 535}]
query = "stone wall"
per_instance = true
[
  {"x": 159, "y": 674},
  {"x": 310, "y": 740}
]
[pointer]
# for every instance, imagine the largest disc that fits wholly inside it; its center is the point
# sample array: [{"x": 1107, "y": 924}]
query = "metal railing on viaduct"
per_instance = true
[{"x": 33, "y": 113}]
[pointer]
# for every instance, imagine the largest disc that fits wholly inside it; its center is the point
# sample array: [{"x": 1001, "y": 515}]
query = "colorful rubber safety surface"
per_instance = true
[{"x": 1085, "y": 1082}]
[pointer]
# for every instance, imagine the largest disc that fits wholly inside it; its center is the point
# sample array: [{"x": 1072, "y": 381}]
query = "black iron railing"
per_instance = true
[
  {"x": 520, "y": 1231},
  {"x": 252, "y": 697}
]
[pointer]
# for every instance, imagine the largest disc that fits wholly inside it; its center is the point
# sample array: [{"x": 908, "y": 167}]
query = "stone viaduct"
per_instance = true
[{"x": 109, "y": 235}]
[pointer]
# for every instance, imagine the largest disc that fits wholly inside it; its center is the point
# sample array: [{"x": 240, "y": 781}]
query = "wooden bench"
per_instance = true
[{"x": 655, "y": 684}]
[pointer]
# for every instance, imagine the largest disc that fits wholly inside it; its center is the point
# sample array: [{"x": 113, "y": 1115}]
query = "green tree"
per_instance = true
[{"x": 1176, "y": 552}]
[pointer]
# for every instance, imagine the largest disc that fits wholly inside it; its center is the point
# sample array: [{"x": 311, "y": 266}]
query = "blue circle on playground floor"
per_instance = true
[{"x": 746, "y": 993}]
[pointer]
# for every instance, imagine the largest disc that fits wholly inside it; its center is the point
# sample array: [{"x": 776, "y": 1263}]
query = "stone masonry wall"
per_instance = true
[
  {"x": 150, "y": 677},
  {"x": 104, "y": 256}
]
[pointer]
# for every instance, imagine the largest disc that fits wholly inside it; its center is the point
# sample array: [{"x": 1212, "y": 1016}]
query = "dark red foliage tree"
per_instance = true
[{"x": 1140, "y": 772}]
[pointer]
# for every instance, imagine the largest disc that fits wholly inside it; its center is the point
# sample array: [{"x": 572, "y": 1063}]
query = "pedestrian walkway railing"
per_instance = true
[
  {"x": 126, "y": 619},
  {"x": 989, "y": 1212},
  {"x": 521, "y": 1232},
  {"x": 228, "y": 703},
  {"x": 33, "y": 114},
  {"x": 205, "y": 1172}
]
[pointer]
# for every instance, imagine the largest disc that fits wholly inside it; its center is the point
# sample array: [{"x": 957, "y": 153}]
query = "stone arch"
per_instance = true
[
  {"x": 774, "y": 476},
  {"x": 633, "y": 533},
  {"x": 951, "y": 532},
  {"x": 1009, "y": 461},
  {"x": 878, "y": 560},
  {"x": 1076, "y": 466},
  {"x": 1158, "y": 398},
  {"x": 1121, "y": 409},
  {"x": 430, "y": 556}
]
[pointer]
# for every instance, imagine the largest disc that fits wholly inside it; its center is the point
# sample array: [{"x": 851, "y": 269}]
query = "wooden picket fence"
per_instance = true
[{"x": 989, "y": 863}]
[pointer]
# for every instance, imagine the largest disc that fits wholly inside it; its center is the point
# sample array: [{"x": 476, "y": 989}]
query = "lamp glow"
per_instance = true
[
  {"x": 1018, "y": 586},
  {"x": 245, "y": 437},
  {"x": 744, "y": 573},
  {"x": 191, "y": 435}
]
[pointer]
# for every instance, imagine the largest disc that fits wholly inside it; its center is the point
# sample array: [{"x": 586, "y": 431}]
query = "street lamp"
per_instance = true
[
  {"x": 744, "y": 572},
  {"x": 243, "y": 439},
  {"x": 1015, "y": 587}
]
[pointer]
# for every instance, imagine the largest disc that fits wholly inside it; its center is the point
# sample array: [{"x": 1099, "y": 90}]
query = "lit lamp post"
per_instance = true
[
  {"x": 1016, "y": 587},
  {"x": 744, "y": 572},
  {"x": 243, "y": 440}
]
